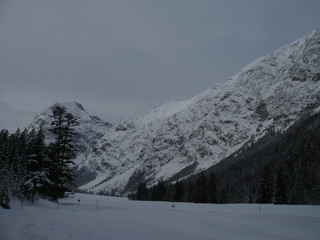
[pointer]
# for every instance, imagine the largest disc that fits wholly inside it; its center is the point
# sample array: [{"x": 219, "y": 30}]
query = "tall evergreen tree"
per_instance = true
[
  {"x": 20, "y": 170},
  {"x": 159, "y": 191},
  {"x": 201, "y": 189},
  {"x": 190, "y": 191},
  {"x": 4, "y": 161},
  {"x": 280, "y": 193},
  {"x": 5, "y": 193},
  {"x": 37, "y": 180},
  {"x": 142, "y": 192},
  {"x": 62, "y": 151},
  {"x": 178, "y": 191},
  {"x": 5, "y": 171},
  {"x": 12, "y": 165},
  {"x": 15, "y": 161},
  {"x": 212, "y": 189},
  {"x": 265, "y": 188}
]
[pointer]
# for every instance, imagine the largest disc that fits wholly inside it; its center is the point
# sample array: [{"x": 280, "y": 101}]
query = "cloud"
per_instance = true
[{"x": 121, "y": 58}]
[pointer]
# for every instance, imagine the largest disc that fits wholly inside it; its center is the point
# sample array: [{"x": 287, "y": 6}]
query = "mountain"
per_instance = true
[
  {"x": 90, "y": 129},
  {"x": 177, "y": 139},
  {"x": 280, "y": 168},
  {"x": 180, "y": 138}
]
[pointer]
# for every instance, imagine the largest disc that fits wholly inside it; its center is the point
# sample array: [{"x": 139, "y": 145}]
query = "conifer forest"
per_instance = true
[{"x": 30, "y": 168}]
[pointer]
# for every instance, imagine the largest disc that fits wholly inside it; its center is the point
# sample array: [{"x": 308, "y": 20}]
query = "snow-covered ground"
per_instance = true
[{"x": 102, "y": 218}]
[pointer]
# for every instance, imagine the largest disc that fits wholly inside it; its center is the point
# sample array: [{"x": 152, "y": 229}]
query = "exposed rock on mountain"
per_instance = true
[{"x": 180, "y": 138}]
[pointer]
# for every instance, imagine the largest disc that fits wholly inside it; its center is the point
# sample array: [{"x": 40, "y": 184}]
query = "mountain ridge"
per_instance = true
[{"x": 270, "y": 93}]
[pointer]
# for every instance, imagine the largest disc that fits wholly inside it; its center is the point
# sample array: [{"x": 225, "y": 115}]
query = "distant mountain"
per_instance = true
[
  {"x": 90, "y": 129},
  {"x": 177, "y": 139}
]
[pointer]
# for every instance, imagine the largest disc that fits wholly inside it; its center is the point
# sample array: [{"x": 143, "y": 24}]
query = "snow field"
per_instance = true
[{"x": 102, "y": 217}]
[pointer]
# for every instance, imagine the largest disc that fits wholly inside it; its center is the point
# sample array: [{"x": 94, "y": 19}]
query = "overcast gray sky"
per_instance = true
[{"x": 122, "y": 58}]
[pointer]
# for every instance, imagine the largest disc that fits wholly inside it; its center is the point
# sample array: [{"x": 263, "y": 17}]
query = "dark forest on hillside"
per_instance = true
[{"x": 280, "y": 168}]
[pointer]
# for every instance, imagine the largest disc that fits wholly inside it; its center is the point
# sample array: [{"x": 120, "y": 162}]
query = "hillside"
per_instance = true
[{"x": 288, "y": 162}]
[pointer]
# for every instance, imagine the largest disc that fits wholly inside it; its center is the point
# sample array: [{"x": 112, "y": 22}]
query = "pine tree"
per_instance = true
[
  {"x": 4, "y": 161},
  {"x": 178, "y": 191},
  {"x": 20, "y": 170},
  {"x": 62, "y": 152},
  {"x": 190, "y": 191},
  {"x": 280, "y": 193},
  {"x": 201, "y": 190},
  {"x": 159, "y": 191},
  {"x": 265, "y": 188},
  {"x": 37, "y": 180},
  {"x": 5, "y": 183},
  {"x": 5, "y": 188},
  {"x": 15, "y": 149},
  {"x": 212, "y": 189},
  {"x": 12, "y": 165},
  {"x": 142, "y": 191}
]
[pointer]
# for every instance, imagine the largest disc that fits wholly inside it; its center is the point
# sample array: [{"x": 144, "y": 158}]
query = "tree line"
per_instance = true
[
  {"x": 280, "y": 168},
  {"x": 204, "y": 190},
  {"x": 29, "y": 168}
]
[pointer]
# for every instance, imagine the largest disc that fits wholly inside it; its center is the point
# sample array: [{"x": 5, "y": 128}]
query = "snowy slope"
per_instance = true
[
  {"x": 180, "y": 138},
  {"x": 90, "y": 129},
  {"x": 169, "y": 109},
  {"x": 101, "y": 217}
]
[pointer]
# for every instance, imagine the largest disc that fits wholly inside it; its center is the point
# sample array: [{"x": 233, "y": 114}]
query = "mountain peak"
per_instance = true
[
  {"x": 69, "y": 105},
  {"x": 315, "y": 32}
]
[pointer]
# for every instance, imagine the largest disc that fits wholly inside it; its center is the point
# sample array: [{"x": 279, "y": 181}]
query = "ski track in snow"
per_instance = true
[{"x": 102, "y": 217}]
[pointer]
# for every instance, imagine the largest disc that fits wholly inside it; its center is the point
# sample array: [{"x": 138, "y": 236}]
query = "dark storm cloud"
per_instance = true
[{"x": 121, "y": 58}]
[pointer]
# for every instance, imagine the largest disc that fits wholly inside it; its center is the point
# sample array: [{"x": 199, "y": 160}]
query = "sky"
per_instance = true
[{"x": 121, "y": 58}]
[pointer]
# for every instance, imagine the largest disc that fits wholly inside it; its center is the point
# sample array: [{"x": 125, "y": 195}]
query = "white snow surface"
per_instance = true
[
  {"x": 102, "y": 217},
  {"x": 273, "y": 92},
  {"x": 171, "y": 108}
]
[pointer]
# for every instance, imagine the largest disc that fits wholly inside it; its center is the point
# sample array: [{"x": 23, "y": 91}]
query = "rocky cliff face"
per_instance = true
[{"x": 181, "y": 138}]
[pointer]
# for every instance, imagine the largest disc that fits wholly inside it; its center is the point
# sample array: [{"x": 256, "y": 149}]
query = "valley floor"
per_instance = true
[{"x": 102, "y": 218}]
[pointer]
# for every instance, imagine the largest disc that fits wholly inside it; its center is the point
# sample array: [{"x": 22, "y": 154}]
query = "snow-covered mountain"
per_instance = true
[
  {"x": 90, "y": 129},
  {"x": 177, "y": 139}
]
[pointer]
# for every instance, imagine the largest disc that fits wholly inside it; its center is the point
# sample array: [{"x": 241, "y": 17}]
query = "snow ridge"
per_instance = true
[{"x": 171, "y": 108}]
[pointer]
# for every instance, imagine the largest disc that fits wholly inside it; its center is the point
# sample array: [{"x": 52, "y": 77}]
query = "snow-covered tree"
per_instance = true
[
  {"x": 38, "y": 164},
  {"x": 12, "y": 168},
  {"x": 4, "y": 170}
]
